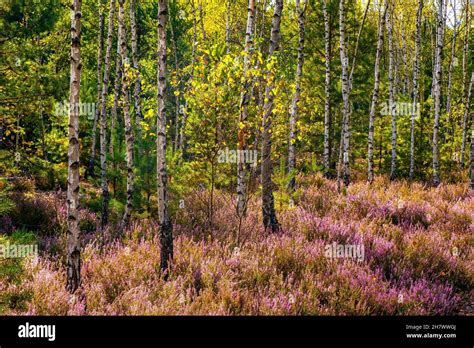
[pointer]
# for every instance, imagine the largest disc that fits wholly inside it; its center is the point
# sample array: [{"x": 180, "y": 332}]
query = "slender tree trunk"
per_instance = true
[
  {"x": 375, "y": 94},
  {"x": 100, "y": 53},
  {"x": 437, "y": 92},
  {"x": 126, "y": 114},
  {"x": 260, "y": 87},
  {"x": 391, "y": 91},
  {"x": 451, "y": 123},
  {"x": 361, "y": 27},
  {"x": 465, "y": 49},
  {"x": 103, "y": 120},
  {"x": 117, "y": 88},
  {"x": 465, "y": 121},
  {"x": 176, "y": 97},
  {"x": 405, "y": 58},
  {"x": 136, "y": 66},
  {"x": 268, "y": 204},
  {"x": 343, "y": 164},
  {"x": 345, "y": 93},
  {"x": 166, "y": 228},
  {"x": 451, "y": 66},
  {"x": 244, "y": 104},
  {"x": 327, "y": 89},
  {"x": 415, "y": 110},
  {"x": 296, "y": 96},
  {"x": 73, "y": 231}
]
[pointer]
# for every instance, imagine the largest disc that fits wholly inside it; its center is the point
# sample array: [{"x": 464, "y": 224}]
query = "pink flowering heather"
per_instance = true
[{"x": 417, "y": 258}]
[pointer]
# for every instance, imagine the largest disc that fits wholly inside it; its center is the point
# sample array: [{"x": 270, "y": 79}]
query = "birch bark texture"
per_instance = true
[
  {"x": 244, "y": 104},
  {"x": 437, "y": 90},
  {"x": 100, "y": 53},
  {"x": 166, "y": 228},
  {"x": 103, "y": 119},
  {"x": 416, "y": 68},
  {"x": 452, "y": 59},
  {"x": 345, "y": 93},
  {"x": 268, "y": 204},
  {"x": 327, "y": 89},
  {"x": 136, "y": 67},
  {"x": 391, "y": 91},
  {"x": 117, "y": 90},
  {"x": 129, "y": 140},
  {"x": 375, "y": 93},
  {"x": 73, "y": 231},
  {"x": 296, "y": 96}
]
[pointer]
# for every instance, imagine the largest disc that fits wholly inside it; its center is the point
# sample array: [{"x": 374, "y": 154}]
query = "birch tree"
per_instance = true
[
  {"x": 166, "y": 228},
  {"x": 296, "y": 96},
  {"x": 327, "y": 89},
  {"x": 176, "y": 95},
  {"x": 100, "y": 58},
  {"x": 244, "y": 104},
  {"x": 391, "y": 91},
  {"x": 117, "y": 88},
  {"x": 375, "y": 93},
  {"x": 344, "y": 144},
  {"x": 452, "y": 60},
  {"x": 345, "y": 93},
  {"x": 103, "y": 119},
  {"x": 416, "y": 68},
  {"x": 126, "y": 114},
  {"x": 268, "y": 204},
  {"x": 136, "y": 67},
  {"x": 437, "y": 91},
  {"x": 73, "y": 231}
]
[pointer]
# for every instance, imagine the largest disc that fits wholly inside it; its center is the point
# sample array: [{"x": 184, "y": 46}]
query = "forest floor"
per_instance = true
[{"x": 385, "y": 249}]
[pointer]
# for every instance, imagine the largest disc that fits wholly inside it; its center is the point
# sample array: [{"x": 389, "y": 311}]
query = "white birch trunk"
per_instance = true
[
  {"x": 73, "y": 231},
  {"x": 244, "y": 104},
  {"x": 166, "y": 228}
]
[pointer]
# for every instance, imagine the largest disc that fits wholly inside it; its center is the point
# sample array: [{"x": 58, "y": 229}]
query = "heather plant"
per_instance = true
[
  {"x": 43, "y": 213},
  {"x": 416, "y": 262}
]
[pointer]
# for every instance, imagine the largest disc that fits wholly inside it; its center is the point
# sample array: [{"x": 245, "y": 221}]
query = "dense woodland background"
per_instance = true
[{"x": 115, "y": 116}]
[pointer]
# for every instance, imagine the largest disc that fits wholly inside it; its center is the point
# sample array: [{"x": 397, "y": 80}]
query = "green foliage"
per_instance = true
[{"x": 205, "y": 81}]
